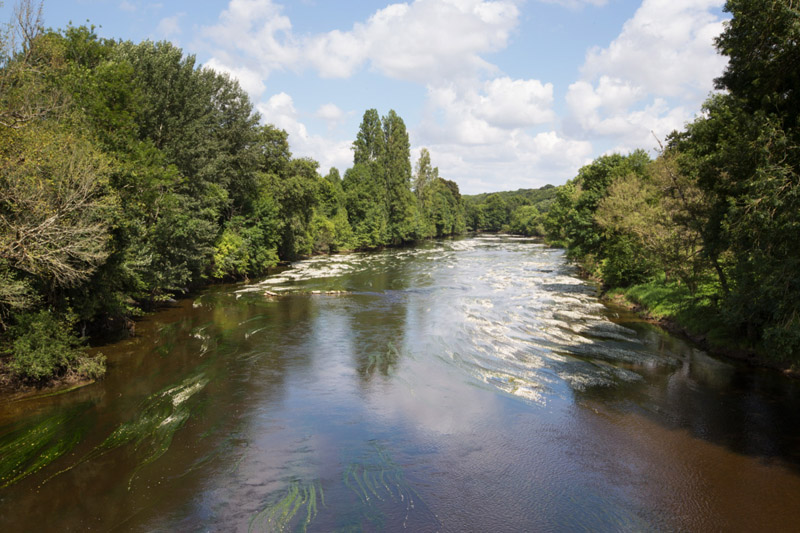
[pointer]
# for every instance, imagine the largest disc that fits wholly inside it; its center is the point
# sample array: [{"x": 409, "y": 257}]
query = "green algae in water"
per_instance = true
[
  {"x": 383, "y": 362},
  {"x": 300, "y": 502},
  {"x": 151, "y": 432},
  {"x": 377, "y": 480},
  {"x": 29, "y": 449}
]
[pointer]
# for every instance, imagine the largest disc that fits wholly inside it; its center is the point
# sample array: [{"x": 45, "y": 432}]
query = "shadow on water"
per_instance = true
[
  {"x": 651, "y": 373},
  {"x": 746, "y": 410}
]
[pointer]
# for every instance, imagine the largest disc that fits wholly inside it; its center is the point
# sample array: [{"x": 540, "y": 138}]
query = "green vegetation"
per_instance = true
[
  {"x": 151, "y": 430},
  {"x": 279, "y": 515},
  {"x": 129, "y": 174},
  {"x": 29, "y": 449},
  {"x": 520, "y": 212},
  {"x": 706, "y": 234}
]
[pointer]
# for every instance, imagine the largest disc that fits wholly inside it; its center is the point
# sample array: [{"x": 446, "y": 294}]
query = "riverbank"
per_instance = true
[
  {"x": 13, "y": 387},
  {"x": 669, "y": 307}
]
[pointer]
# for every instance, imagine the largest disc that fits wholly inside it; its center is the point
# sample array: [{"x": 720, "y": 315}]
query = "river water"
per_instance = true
[{"x": 465, "y": 385}]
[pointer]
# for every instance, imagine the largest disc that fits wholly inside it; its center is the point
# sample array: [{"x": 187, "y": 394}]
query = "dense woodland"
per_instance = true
[
  {"x": 520, "y": 212},
  {"x": 129, "y": 175}
]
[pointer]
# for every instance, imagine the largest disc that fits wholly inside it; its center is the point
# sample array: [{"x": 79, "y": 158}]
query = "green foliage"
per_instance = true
[
  {"x": 129, "y": 174},
  {"x": 526, "y": 220},
  {"x": 369, "y": 145},
  {"x": 761, "y": 42},
  {"x": 495, "y": 211},
  {"x": 572, "y": 220},
  {"x": 44, "y": 346},
  {"x": 707, "y": 231},
  {"x": 696, "y": 311},
  {"x": 395, "y": 164}
]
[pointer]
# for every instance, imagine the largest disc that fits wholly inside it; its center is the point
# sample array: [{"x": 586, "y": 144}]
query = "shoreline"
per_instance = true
[{"x": 699, "y": 339}]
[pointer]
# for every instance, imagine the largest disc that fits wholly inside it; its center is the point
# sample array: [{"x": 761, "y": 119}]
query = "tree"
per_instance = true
[
  {"x": 424, "y": 173},
  {"x": 369, "y": 144},
  {"x": 762, "y": 42},
  {"x": 27, "y": 55},
  {"x": 366, "y": 209},
  {"x": 52, "y": 202},
  {"x": 526, "y": 220},
  {"x": 396, "y": 165},
  {"x": 496, "y": 213}
]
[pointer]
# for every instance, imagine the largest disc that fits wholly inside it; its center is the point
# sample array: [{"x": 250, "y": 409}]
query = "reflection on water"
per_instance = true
[{"x": 473, "y": 384}]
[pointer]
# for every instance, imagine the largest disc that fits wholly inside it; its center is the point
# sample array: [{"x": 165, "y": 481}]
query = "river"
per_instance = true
[{"x": 467, "y": 385}]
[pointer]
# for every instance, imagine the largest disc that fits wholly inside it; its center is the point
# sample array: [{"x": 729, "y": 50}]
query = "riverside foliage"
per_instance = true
[
  {"x": 708, "y": 231},
  {"x": 130, "y": 174}
]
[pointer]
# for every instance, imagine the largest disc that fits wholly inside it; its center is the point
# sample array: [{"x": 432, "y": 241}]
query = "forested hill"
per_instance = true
[
  {"x": 519, "y": 211},
  {"x": 130, "y": 174}
]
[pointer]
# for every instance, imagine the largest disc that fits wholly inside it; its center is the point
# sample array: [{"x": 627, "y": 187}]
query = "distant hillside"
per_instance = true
[
  {"x": 541, "y": 198},
  {"x": 519, "y": 211}
]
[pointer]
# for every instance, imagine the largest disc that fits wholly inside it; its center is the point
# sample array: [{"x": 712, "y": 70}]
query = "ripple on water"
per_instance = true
[{"x": 555, "y": 333}]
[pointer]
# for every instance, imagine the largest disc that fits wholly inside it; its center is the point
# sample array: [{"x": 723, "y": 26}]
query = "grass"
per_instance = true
[{"x": 696, "y": 313}]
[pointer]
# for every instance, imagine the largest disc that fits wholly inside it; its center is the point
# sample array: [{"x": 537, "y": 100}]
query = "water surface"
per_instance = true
[{"x": 466, "y": 385}]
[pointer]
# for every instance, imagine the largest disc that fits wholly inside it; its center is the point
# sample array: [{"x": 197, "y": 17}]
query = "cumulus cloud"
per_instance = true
[
  {"x": 331, "y": 114},
  {"x": 280, "y": 111},
  {"x": 520, "y": 160},
  {"x": 667, "y": 48},
  {"x": 516, "y": 103},
  {"x": 475, "y": 113},
  {"x": 651, "y": 77},
  {"x": 421, "y": 41},
  {"x": 575, "y": 4},
  {"x": 250, "y": 80},
  {"x": 258, "y": 32},
  {"x": 433, "y": 40},
  {"x": 478, "y": 122}
]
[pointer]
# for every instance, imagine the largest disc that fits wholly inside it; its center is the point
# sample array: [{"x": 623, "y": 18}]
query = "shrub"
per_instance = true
[{"x": 44, "y": 346}]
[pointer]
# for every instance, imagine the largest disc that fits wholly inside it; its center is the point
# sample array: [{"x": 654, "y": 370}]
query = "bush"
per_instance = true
[{"x": 44, "y": 346}]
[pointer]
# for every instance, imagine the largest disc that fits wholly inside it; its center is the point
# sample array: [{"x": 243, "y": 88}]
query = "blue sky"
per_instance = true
[{"x": 505, "y": 94}]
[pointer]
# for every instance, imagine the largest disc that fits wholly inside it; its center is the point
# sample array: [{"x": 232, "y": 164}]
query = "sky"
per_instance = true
[{"x": 505, "y": 94}]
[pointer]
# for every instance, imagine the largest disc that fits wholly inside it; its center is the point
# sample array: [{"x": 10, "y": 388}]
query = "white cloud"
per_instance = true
[
  {"x": 436, "y": 39},
  {"x": 250, "y": 80},
  {"x": 170, "y": 27},
  {"x": 254, "y": 30},
  {"x": 279, "y": 110},
  {"x": 520, "y": 160},
  {"x": 651, "y": 77},
  {"x": 516, "y": 103},
  {"x": 421, "y": 41},
  {"x": 666, "y": 48},
  {"x": 127, "y": 6},
  {"x": 332, "y": 114},
  {"x": 475, "y": 113},
  {"x": 576, "y": 4}
]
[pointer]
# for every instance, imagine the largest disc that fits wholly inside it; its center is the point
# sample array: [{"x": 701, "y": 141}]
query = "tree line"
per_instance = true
[
  {"x": 520, "y": 212},
  {"x": 130, "y": 174},
  {"x": 708, "y": 232}
]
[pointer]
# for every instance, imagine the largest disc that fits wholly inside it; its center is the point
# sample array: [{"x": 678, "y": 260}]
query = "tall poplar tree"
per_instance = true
[{"x": 396, "y": 162}]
